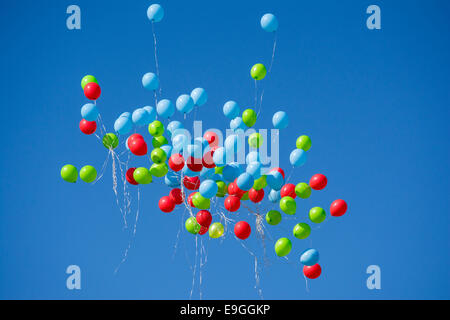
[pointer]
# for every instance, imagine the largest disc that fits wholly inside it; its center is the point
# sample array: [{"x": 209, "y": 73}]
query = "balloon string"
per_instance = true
[
  {"x": 273, "y": 50},
  {"x": 156, "y": 57}
]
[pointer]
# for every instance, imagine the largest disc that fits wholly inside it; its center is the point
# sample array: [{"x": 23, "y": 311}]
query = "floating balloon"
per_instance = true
[
  {"x": 274, "y": 196},
  {"x": 190, "y": 200},
  {"x": 142, "y": 175},
  {"x": 207, "y": 174},
  {"x": 309, "y": 257},
  {"x": 318, "y": 181},
  {"x": 231, "y": 109},
  {"x": 199, "y": 96},
  {"x": 184, "y": 103},
  {"x": 234, "y": 190},
  {"x": 255, "y": 140},
  {"x": 174, "y": 125},
  {"x": 208, "y": 188},
  {"x": 155, "y": 13},
  {"x": 317, "y": 215},
  {"x": 129, "y": 176},
  {"x": 200, "y": 201},
  {"x": 212, "y": 138},
  {"x": 158, "y": 155},
  {"x": 279, "y": 170},
  {"x": 242, "y": 230},
  {"x": 274, "y": 180},
  {"x": 280, "y": 120},
  {"x": 151, "y": 114},
  {"x": 69, "y": 173},
  {"x": 297, "y": 157},
  {"x": 269, "y": 22},
  {"x": 156, "y": 128},
  {"x": 282, "y": 247},
  {"x": 260, "y": 183},
  {"x": 150, "y": 81},
  {"x": 166, "y": 204},
  {"x": 303, "y": 142},
  {"x": 92, "y": 91},
  {"x": 273, "y": 217},
  {"x": 88, "y": 127},
  {"x": 158, "y": 142},
  {"x": 88, "y": 174},
  {"x": 192, "y": 225},
  {"x": 89, "y": 112},
  {"x": 256, "y": 195},
  {"x": 301, "y": 230},
  {"x": 165, "y": 108},
  {"x": 252, "y": 156},
  {"x": 208, "y": 160},
  {"x": 231, "y": 171},
  {"x": 237, "y": 123},
  {"x": 88, "y": 79},
  {"x": 191, "y": 183},
  {"x": 245, "y": 181},
  {"x": 338, "y": 208},
  {"x": 288, "y": 190},
  {"x": 233, "y": 144},
  {"x": 216, "y": 230},
  {"x": 312, "y": 272},
  {"x": 110, "y": 141},
  {"x": 222, "y": 189},
  {"x": 138, "y": 147},
  {"x": 303, "y": 190},
  {"x": 204, "y": 218},
  {"x": 203, "y": 230},
  {"x": 172, "y": 179},
  {"x": 232, "y": 203},
  {"x": 288, "y": 205},
  {"x": 140, "y": 117},
  {"x": 254, "y": 169},
  {"x": 258, "y": 71},
  {"x": 123, "y": 125},
  {"x": 159, "y": 169},
  {"x": 249, "y": 117}
]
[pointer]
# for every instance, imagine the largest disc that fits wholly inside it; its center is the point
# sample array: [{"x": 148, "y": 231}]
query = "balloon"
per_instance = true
[
  {"x": 252, "y": 156},
  {"x": 273, "y": 217},
  {"x": 288, "y": 205},
  {"x": 87, "y": 79},
  {"x": 317, "y": 215},
  {"x": 279, "y": 170},
  {"x": 231, "y": 171},
  {"x": 158, "y": 155},
  {"x": 303, "y": 190},
  {"x": 151, "y": 114},
  {"x": 200, "y": 201},
  {"x": 274, "y": 196},
  {"x": 142, "y": 175},
  {"x": 208, "y": 188},
  {"x": 242, "y": 230},
  {"x": 150, "y": 81},
  {"x": 176, "y": 162},
  {"x": 192, "y": 225},
  {"x": 135, "y": 136},
  {"x": 123, "y": 125},
  {"x": 283, "y": 246},
  {"x": 191, "y": 183},
  {"x": 138, "y": 147},
  {"x": 222, "y": 189},
  {"x": 219, "y": 157},
  {"x": 303, "y": 142},
  {"x": 207, "y": 160},
  {"x": 234, "y": 190},
  {"x": 92, "y": 91},
  {"x": 255, "y": 140},
  {"x": 174, "y": 125},
  {"x": 301, "y": 230},
  {"x": 172, "y": 179},
  {"x": 129, "y": 176},
  {"x": 233, "y": 143},
  {"x": 207, "y": 174},
  {"x": 288, "y": 190},
  {"x": 256, "y": 195},
  {"x": 309, "y": 257},
  {"x": 126, "y": 115},
  {"x": 179, "y": 141},
  {"x": 232, "y": 203},
  {"x": 237, "y": 123},
  {"x": 188, "y": 172},
  {"x": 258, "y": 71},
  {"x": 274, "y": 180},
  {"x": 159, "y": 141},
  {"x": 193, "y": 164},
  {"x": 185, "y": 103},
  {"x": 203, "y": 230},
  {"x": 318, "y": 181},
  {"x": 88, "y": 127},
  {"x": 69, "y": 173},
  {"x": 297, "y": 157},
  {"x": 280, "y": 120},
  {"x": 312, "y": 272},
  {"x": 159, "y": 169},
  {"x": 212, "y": 138},
  {"x": 260, "y": 183},
  {"x": 110, "y": 141},
  {"x": 216, "y": 230},
  {"x": 245, "y": 181},
  {"x": 249, "y": 117},
  {"x": 88, "y": 174},
  {"x": 89, "y": 112},
  {"x": 165, "y": 108},
  {"x": 254, "y": 169},
  {"x": 269, "y": 22},
  {"x": 156, "y": 128},
  {"x": 338, "y": 208},
  {"x": 199, "y": 96},
  {"x": 231, "y": 109},
  {"x": 204, "y": 218},
  {"x": 155, "y": 13},
  {"x": 218, "y": 170},
  {"x": 166, "y": 204},
  {"x": 139, "y": 117}
]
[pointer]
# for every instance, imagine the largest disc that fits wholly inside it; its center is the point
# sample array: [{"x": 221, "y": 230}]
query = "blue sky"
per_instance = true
[{"x": 375, "y": 103}]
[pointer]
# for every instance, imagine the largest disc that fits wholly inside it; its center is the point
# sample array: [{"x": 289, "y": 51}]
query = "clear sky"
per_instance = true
[{"x": 375, "y": 103}]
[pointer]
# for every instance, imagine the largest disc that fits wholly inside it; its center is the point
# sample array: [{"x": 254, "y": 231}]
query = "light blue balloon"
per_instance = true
[
  {"x": 188, "y": 172},
  {"x": 231, "y": 171},
  {"x": 280, "y": 120},
  {"x": 233, "y": 144},
  {"x": 150, "y": 81},
  {"x": 298, "y": 157},
  {"x": 274, "y": 180},
  {"x": 151, "y": 114},
  {"x": 140, "y": 117},
  {"x": 199, "y": 96},
  {"x": 217, "y": 177},
  {"x": 184, "y": 103},
  {"x": 89, "y": 112},
  {"x": 126, "y": 115},
  {"x": 155, "y": 13},
  {"x": 165, "y": 108},
  {"x": 254, "y": 169},
  {"x": 269, "y": 22},
  {"x": 179, "y": 142},
  {"x": 274, "y": 196},
  {"x": 245, "y": 181},
  {"x": 207, "y": 173},
  {"x": 220, "y": 157},
  {"x": 126, "y": 144},
  {"x": 167, "y": 148},
  {"x": 231, "y": 109},
  {"x": 237, "y": 123},
  {"x": 172, "y": 179},
  {"x": 123, "y": 125},
  {"x": 309, "y": 257},
  {"x": 252, "y": 156},
  {"x": 172, "y": 126},
  {"x": 208, "y": 188}
]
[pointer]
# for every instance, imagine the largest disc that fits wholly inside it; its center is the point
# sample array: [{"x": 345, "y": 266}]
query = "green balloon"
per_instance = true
[
  {"x": 301, "y": 230},
  {"x": 283, "y": 246},
  {"x": 223, "y": 189},
  {"x": 159, "y": 169},
  {"x": 156, "y": 128},
  {"x": 260, "y": 183},
  {"x": 200, "y": 202},
  {"x": 159, "y": 141},
  {"x": 69, "y": 173},
  {"x": 88, "y": 174},
  {"x": 249, "y": 117},
  {"x": 258, "y": 71},
  {"x": 288, "y": 205},
  {"x": 142, "y": 175},
  {"x": 158, "y": 155},
  {"x": 110, "y": 141},
  {"x": 303, "y": 190},
  {"x": 87, "y": 79},
  {"x": 255, "y": 140},
  {"x": 216, "y": 230},
  {"x": 304, "y": 143},
  {"x": 273, "y": 217},
  {"x": 317, "y": 215},
  {"x": 245, "y": 196},
  {"x": 218, "y": 170},
  {"x": 192, "y": 225}
]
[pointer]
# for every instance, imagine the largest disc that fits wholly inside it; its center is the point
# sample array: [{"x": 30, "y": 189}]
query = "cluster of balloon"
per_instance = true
[{"x": 87, "y": 173}]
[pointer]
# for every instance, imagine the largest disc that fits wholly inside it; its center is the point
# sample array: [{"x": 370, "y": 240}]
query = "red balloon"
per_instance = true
[
  {"x": 166, "y": 204},
  {"x": 234, "y": 190},
  {"x": 138, "y": 147},
  {"x": 134, "y": 136},
  {"x": 177, "y": 195},
  {"x": 176, "y": 162},
  {"x": 207, "y": 160},
  {"x": 190, "y": 200},
  {"x": 88, "y": 127},
  {"x": 242, "y": 230},
  {"x": 288, "y": 190},
  {"x": 232, "y": 203},
  {"x": 92, "y": 91},
  {"x": 191, "y": 183},
  {"x": 212, "y": 138},
  {"x": 312, "y": 272},
  {"x": 203, "y": 230},
  {"x": 338, "y": 208},
  {"x": 279, "y": 170},
  {"x": 318, "y": 181},
  {"x": 129, "y": 176},
  {"x": 204, "y": 218},
  {"x": 214, "y": 148},
  {"x": 256, "y": 195},
  {"x": 195, "y": 164}
]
